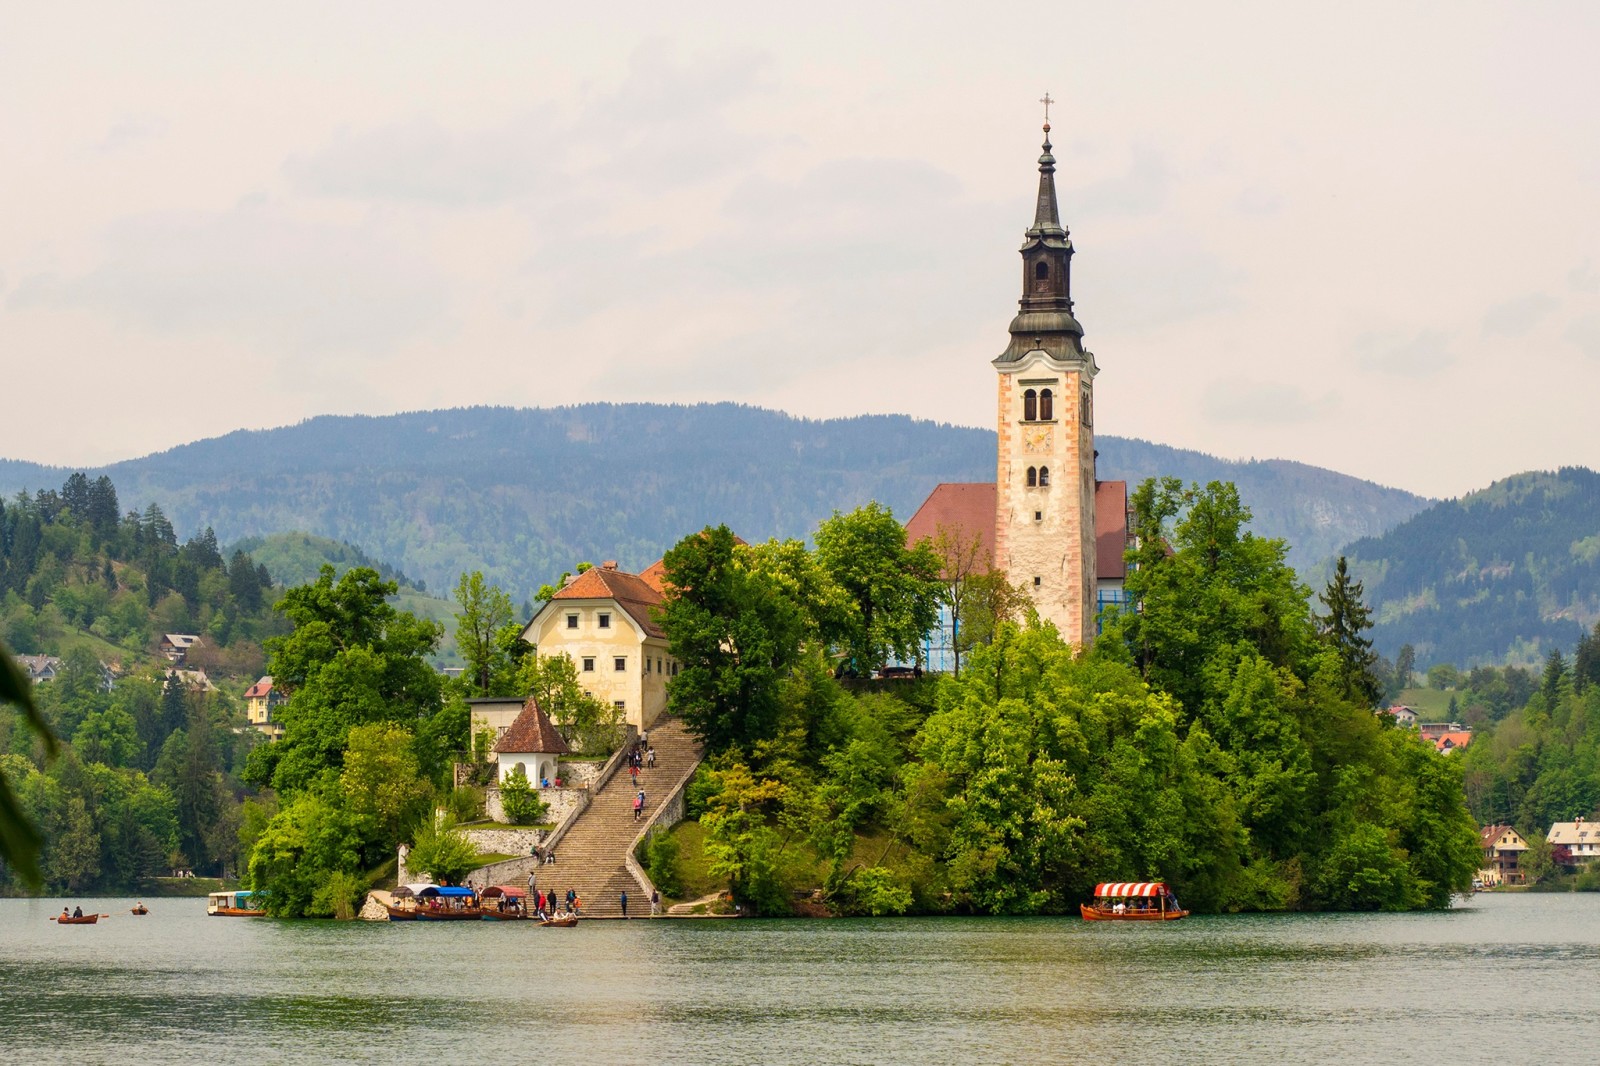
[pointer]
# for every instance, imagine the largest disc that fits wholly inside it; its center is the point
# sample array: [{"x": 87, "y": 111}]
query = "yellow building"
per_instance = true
[
  {"x": 260, "y": 700},
  {"x": 602, "y": 619}
]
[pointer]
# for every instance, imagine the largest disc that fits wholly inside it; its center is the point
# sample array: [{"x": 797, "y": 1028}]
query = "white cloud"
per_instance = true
[
  {"x": 1584, "y": 333},
  {"x": 255, "y": 273},
  {"x": 1517, "y": 318},
  {"x": 1409, "y": 354}
]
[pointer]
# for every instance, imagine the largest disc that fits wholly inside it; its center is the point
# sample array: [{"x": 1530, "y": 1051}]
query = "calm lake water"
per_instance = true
[{"x": 1509, "y": 978}]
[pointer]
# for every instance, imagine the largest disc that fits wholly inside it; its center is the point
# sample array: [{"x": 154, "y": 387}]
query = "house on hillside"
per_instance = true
[
  {"x": 39, "y": 668},
  {"x": 193, "y": 680},
  {"x": 602, "y": 618},
  {"x": 1581, "y": 840},
  {"x": 1448, "y": 742},
  {"x": 260, "y": 701},
  {"x": 1502, "y": 855},
  {"x": 1402, "y": 715},
  {"x": 175, "y": 646}
]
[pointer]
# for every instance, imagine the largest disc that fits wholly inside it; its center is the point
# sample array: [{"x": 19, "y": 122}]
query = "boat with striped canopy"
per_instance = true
[{"x": 1132, "y": 901}]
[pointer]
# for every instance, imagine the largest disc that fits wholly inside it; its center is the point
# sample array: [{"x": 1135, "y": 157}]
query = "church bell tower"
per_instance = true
[{"x": 1045, "y": 477}]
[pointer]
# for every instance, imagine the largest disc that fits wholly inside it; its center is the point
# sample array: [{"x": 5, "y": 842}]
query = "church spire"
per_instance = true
[
  {"x": 1045, "y": 320},
  {"x": 1047, "y": 218}
]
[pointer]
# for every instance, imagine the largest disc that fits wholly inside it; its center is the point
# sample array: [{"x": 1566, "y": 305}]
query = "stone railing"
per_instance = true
[{"x": 669, "y": 814}]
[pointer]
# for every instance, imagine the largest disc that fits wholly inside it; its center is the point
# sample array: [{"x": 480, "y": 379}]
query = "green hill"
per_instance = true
[
  {"x": 525, "y": 494},
  {"x": 1501, "y": 575}
]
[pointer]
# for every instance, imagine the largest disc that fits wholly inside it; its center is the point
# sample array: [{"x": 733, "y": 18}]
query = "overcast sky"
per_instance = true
[{"x": 1365, "y": 236}]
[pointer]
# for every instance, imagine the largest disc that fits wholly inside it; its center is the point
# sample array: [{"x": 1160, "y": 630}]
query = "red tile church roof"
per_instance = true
[{"x": 970, "y": 507}]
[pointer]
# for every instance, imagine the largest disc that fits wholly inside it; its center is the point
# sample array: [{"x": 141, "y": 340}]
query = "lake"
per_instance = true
[{"x": 1499, "y": 978}]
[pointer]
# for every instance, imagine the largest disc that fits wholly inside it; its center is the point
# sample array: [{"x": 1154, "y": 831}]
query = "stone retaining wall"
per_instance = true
[{"x": 562, "y": 801}]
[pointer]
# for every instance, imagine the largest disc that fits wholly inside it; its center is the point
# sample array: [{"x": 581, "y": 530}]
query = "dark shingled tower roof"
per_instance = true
[{"x": 532, "y": 732}]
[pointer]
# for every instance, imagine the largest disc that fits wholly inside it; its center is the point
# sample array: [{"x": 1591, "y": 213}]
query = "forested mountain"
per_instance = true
[
  {"x": 1507, "y": 573},
  {"x": 524, "y": 494}
]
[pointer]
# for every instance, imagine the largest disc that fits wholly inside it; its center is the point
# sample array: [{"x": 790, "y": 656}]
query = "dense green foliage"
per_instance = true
[
  {"x": 367, "y": 739},
  {"x": 147, "y": 780},
  {"x": 519, "y": 494},
  {"x": 73, "y": 571},
  {"x": 1535, "y": 753},
  {"x": 1497, "y": 575},
  {"x": 1218, "y": 739}
]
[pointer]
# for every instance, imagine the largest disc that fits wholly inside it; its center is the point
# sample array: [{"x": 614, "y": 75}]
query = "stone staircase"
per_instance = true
[{"x": 590, "y": 857}]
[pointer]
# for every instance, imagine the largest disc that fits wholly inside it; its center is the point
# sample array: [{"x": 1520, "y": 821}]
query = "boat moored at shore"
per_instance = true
[
  {"x": 1132, "y": 901},
  {"x": 241, "y": 904}
]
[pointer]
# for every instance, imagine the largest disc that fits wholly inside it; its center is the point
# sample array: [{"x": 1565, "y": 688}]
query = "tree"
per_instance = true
[
  {"x": 442, "y": 851},
  {"x": 736, "y": 636},
  {"x": 1405, "y": 665},
  {"x": 1220, "y": 592},
  {"x": 485, "y": 611},
  {"x": 352, "y": 659},
  {"x": 895, "y": 589},
  {"x": 20, "y": 841},
  {"x": 521, "y": 804},
  {"x": 1348, "y": 618},
  {"x": 382, "y": 783},
  {"x": 587, "y": 722}
]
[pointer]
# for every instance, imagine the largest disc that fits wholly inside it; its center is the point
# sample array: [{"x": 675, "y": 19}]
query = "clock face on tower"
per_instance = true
[{"x": 1037, "y": 440}]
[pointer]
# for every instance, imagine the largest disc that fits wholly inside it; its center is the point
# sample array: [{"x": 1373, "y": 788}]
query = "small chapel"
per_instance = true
[{"x": 1046, "y": 521}]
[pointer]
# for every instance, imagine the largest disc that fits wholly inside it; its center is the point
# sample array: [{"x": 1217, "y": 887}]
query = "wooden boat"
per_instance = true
[
  {"x": 563, "y": 921},
  {"x": 1132, "y": 901},
  {"x": 140, "y": 909},
  {"x": 434, "y": 903},
  {"x": 504, "y": 903},
  {"x": 82, "y": 919},
  {"x": 234, "y": 905}
]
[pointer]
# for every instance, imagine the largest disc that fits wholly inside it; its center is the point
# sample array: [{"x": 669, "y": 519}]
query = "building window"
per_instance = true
[
  {"x": 605, "y": 620},
  {"x": 1047, "y": 407},
  {"x": 620, "y": 705},
  {"x": 647, "y": 664},
  {"x": 1041, "y": 270},
  {"x": 1037, "y": 582},
  {"x": 1030, "y": 406},
  {"x": 1044, "y": 477},
  {"x": 1038, "y": 516},
  {"x": 658, "y": 666},
  {"x": 588, "y": 664},
  {"x": 572, "y": 621},
  {"x": 1033, "y": 477},
  {"x": 620, "y": 663}
]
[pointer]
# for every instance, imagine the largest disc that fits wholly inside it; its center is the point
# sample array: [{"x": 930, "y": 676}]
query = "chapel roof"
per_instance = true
[
  {"x": 970, "y": 507},
  {"x": 531, "y": 732}
]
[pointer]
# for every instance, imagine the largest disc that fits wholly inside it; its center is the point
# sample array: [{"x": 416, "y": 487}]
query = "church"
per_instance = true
[{"x": 1047, "y": 521}]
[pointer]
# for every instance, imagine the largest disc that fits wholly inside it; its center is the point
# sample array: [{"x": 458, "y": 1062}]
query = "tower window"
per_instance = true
[
  {"x": 1044, "y": 477},
  {"x": 1033, "y": 477},
  {"x": 1038, "y": 581},
  {"x": 1038, "y": 516},
  {"x": 1030, "y": 406},
  {"x": 1041, "y": 270},
  {"x": 1047, "y": 407}
]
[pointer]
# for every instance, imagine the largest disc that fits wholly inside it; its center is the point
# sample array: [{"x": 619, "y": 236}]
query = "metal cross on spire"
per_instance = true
[{"x": 1046, "y": 101}]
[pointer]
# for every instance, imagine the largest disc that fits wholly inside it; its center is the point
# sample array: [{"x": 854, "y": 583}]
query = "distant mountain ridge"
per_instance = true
[
  {"x": 524, "y": 494},
  {"x": 1506, "y": 573}
]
